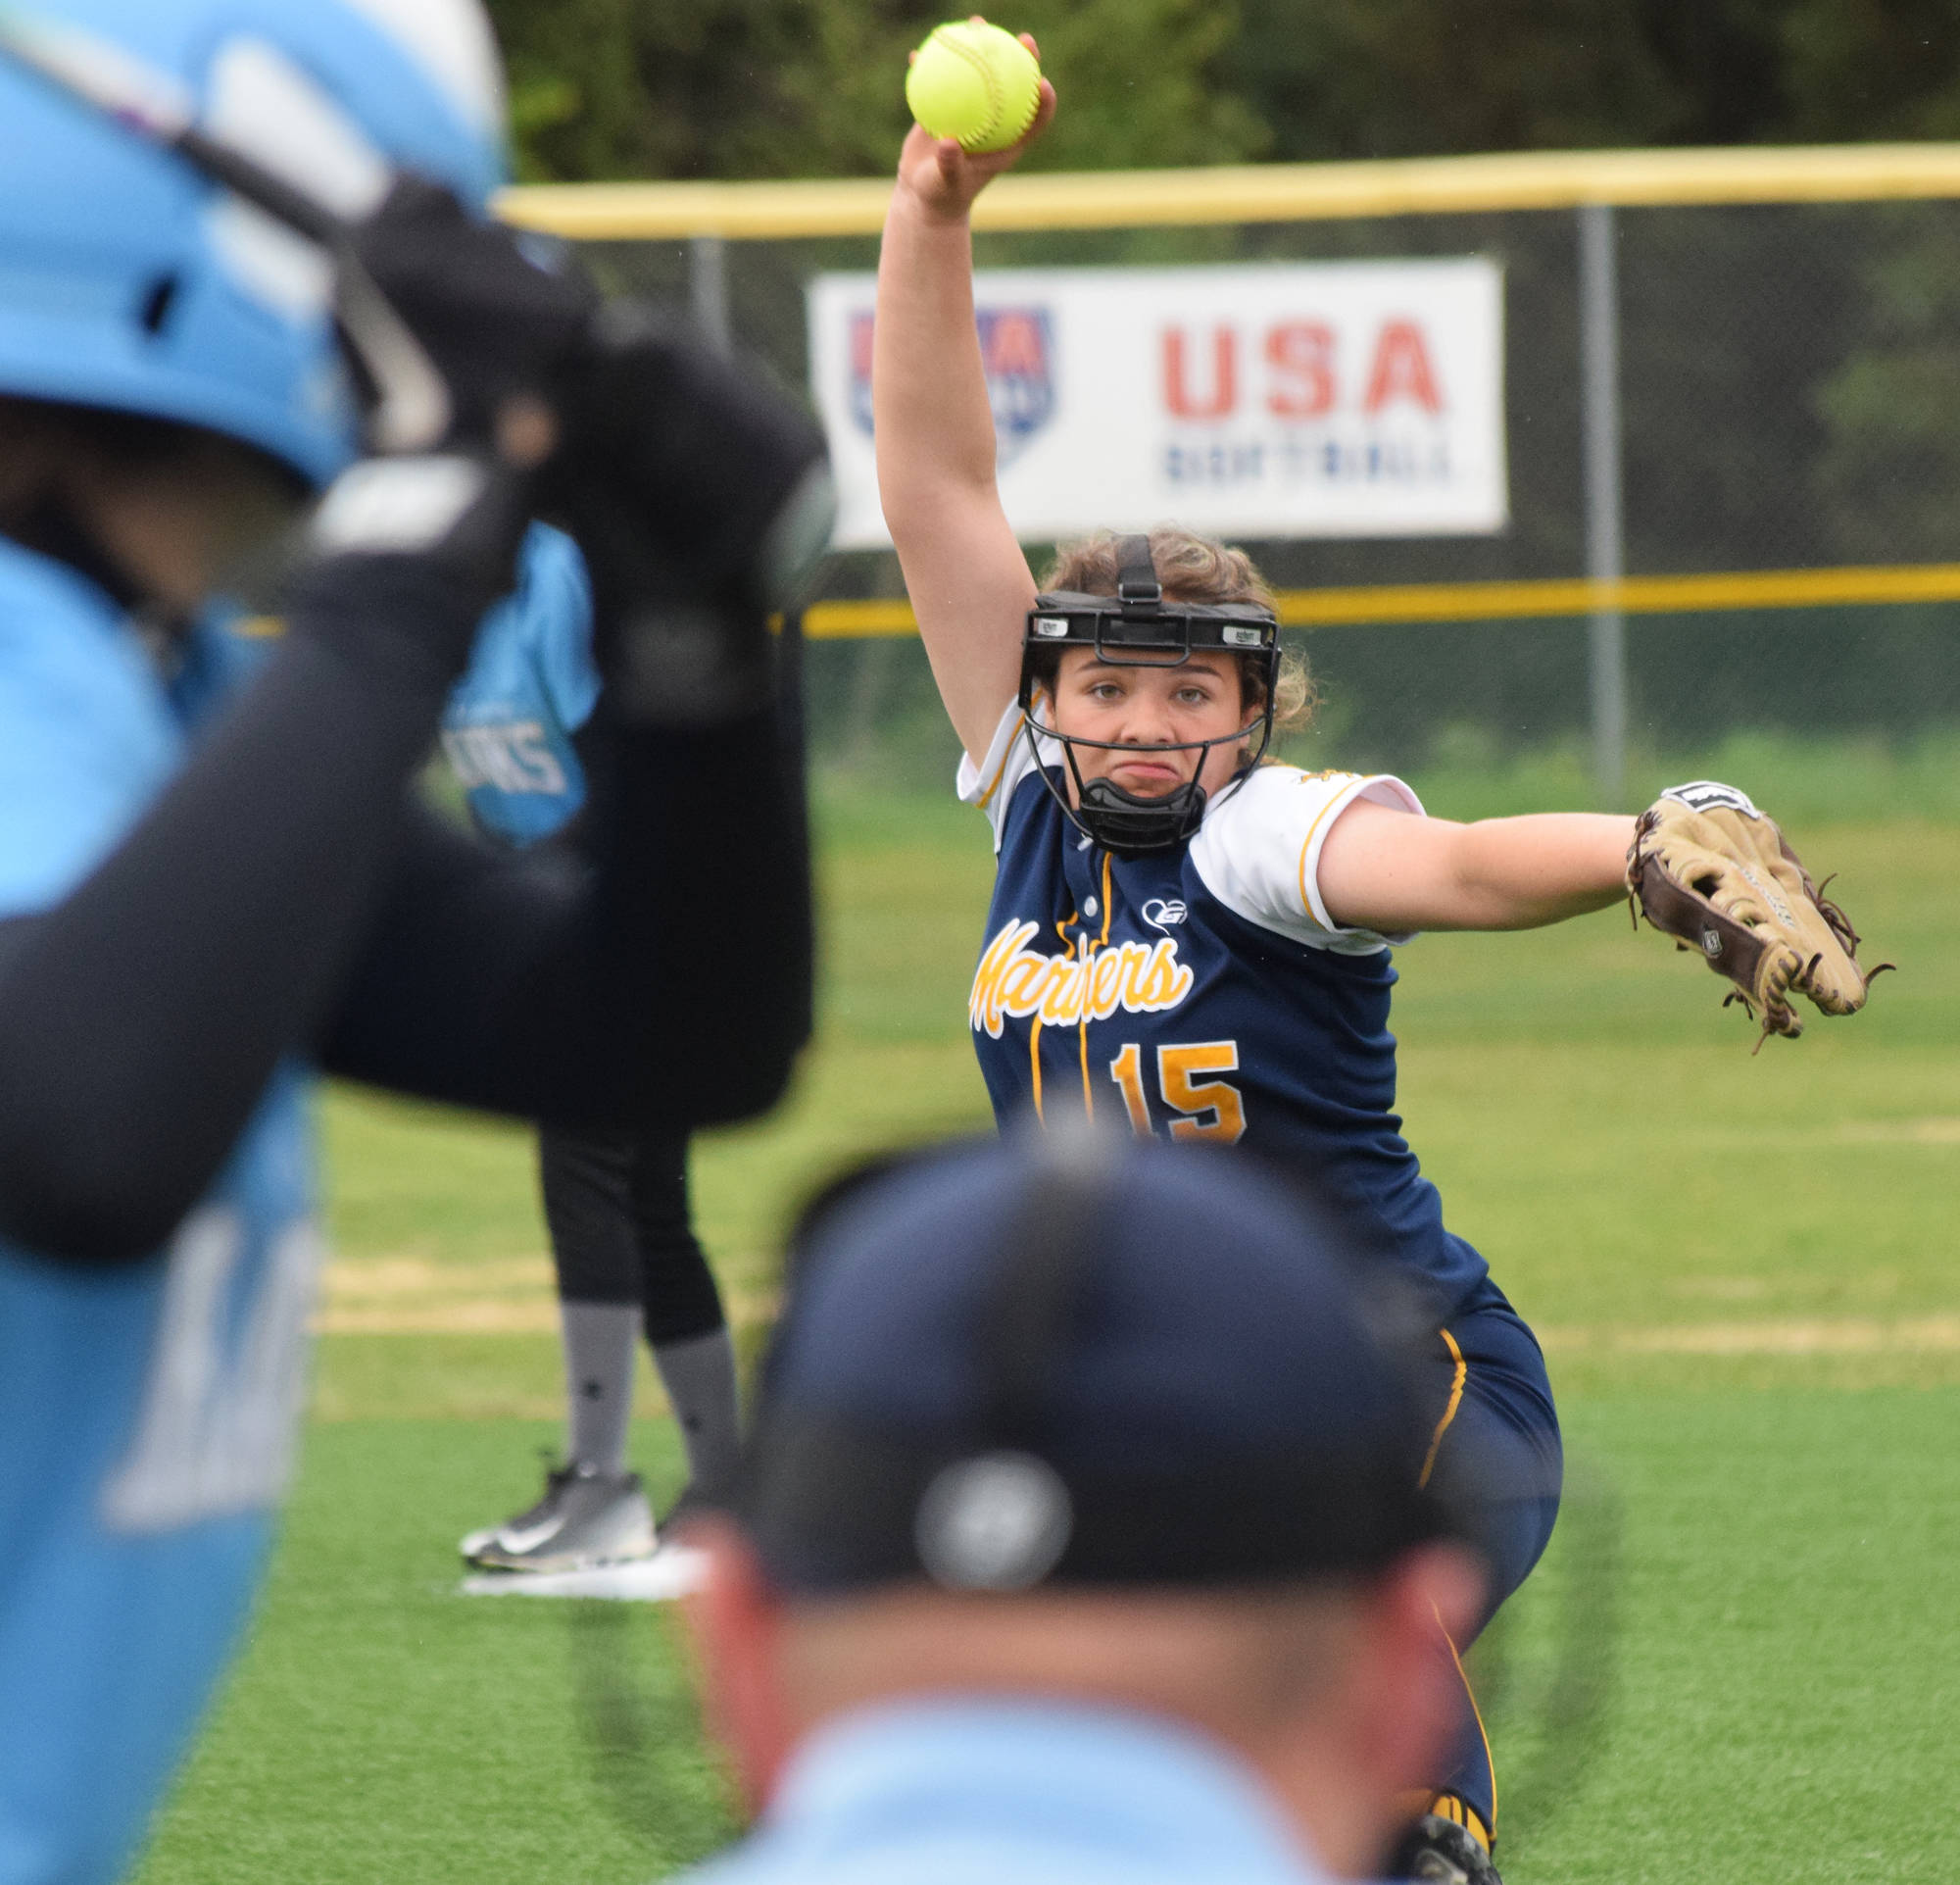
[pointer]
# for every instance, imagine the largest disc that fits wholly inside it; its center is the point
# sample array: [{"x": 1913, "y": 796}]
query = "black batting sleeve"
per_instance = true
[
  {"x": 141, "y": 1016},
  {"x": 278, "y": 895}
]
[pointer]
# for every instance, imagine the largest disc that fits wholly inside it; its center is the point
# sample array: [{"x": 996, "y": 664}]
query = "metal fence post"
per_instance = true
[
  {"x": 1605, "y": 557},
  {"x": 707, "y": 287}
]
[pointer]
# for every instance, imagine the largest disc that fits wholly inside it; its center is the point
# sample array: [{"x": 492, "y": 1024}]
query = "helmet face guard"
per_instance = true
[{"x": 1137, "y": 628}]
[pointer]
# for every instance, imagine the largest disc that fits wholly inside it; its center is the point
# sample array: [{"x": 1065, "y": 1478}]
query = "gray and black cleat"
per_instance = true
[
  {"x": 585, "y": 1518},
  {"x": 1438, "y": 1851}
]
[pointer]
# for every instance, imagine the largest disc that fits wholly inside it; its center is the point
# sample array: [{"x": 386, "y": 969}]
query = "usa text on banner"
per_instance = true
[{"x": 1339, "y": 399}]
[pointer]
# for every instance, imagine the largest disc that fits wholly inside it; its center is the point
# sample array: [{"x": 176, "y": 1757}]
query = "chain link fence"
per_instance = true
[{"x": 1787, "y": 390}]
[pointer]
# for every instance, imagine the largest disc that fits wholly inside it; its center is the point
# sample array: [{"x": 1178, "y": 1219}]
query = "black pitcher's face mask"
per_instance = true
[{"x": 1138, "y": 628}]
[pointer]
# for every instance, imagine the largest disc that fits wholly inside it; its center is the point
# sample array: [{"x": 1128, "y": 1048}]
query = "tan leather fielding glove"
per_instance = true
[{"x": 1716, "y": 874}]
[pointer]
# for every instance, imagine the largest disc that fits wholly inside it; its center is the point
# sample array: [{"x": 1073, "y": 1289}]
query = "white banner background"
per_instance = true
[{"x": 1281, "y": 400}]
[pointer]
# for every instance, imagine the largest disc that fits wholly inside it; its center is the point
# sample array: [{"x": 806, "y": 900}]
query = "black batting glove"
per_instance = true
[
  {"x": 457, "y": 335},
  {"x": 492, "y": 324}
]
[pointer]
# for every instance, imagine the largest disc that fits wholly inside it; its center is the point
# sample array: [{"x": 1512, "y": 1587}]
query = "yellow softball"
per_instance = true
[{"x": 975, "y": 82}]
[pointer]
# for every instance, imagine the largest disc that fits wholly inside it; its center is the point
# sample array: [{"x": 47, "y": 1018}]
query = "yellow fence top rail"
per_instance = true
[
  {"x": 1425, "y": 602},
  {"x": 1259, "y": 193}
]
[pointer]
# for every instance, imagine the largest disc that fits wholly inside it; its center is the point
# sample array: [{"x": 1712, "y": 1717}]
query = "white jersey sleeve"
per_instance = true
[
  {"x": 1259, "y": 851},
  {"x": 1010, "y": 758}
]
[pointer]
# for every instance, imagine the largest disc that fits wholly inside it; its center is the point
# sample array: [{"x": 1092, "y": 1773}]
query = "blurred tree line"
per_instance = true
[{"x": 616, "y": 89}]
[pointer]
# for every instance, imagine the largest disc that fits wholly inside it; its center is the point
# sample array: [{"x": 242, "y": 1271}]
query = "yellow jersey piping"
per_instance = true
[
  {"x": 1001, "y": 771},
  {"x": 1456, "y": 1401},
  {"x": 1306, "y": 902}
]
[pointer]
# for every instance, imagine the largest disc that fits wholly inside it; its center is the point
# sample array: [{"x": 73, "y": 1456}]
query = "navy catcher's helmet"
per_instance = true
[{"x": 1001, "y": 1366}]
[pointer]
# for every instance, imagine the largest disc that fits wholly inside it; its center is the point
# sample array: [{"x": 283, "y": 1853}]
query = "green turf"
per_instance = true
[
  {"x": 1735, "y": 1663},
  {"x": 383, "y": 1728},
  {"x": 1779, "y": 1699},
  {"x": 1737, "y": 1657}
]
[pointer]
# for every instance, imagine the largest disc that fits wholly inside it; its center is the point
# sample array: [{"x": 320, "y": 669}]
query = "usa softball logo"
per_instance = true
[
  {"x": 1017, "y": 351},
  {"x": 860, "y": 369}
]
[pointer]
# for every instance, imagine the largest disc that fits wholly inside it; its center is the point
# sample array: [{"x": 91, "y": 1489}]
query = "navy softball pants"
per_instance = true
[{"x": 1496, "y": 1448}]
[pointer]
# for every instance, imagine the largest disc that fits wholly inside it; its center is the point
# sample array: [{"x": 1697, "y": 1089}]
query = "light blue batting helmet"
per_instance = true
[{"x": 129, "y": 281}]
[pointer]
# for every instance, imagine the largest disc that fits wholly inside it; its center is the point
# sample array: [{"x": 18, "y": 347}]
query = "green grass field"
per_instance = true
[{"x": 1737, "y": 1662}]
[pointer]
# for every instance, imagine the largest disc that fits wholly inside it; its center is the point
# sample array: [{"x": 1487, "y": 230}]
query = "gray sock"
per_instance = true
[
  {"x": 699, "y": 1375},
  {"x": 600, "y": 1341}
]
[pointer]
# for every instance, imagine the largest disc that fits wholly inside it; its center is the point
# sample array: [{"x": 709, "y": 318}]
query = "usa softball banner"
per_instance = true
[{"x": 1292, "y": 400}]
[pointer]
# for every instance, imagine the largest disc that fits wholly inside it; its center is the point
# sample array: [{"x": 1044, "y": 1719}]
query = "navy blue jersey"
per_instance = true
[
  {"x": 147, "y": 1412},
  {"x": 531, "y": 685},
  {"x": 1204, "y": 992}
]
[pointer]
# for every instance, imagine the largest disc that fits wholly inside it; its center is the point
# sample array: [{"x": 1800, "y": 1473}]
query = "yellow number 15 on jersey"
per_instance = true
[{"x": 1213, "y": 1110}]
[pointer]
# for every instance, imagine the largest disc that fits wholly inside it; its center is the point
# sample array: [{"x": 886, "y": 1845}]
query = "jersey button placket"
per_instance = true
[{"x": 1092, "y": 906}]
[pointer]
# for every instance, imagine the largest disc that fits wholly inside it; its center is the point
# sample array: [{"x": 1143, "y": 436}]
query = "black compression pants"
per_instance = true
[{"x": 615, "y": 1199}]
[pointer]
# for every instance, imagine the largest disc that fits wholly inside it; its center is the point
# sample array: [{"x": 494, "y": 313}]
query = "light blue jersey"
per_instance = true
[
  {"x": 147, "y": 1411},
  {"x": 972, "y": 1791},
  {"x": 531, "y": 685}
]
